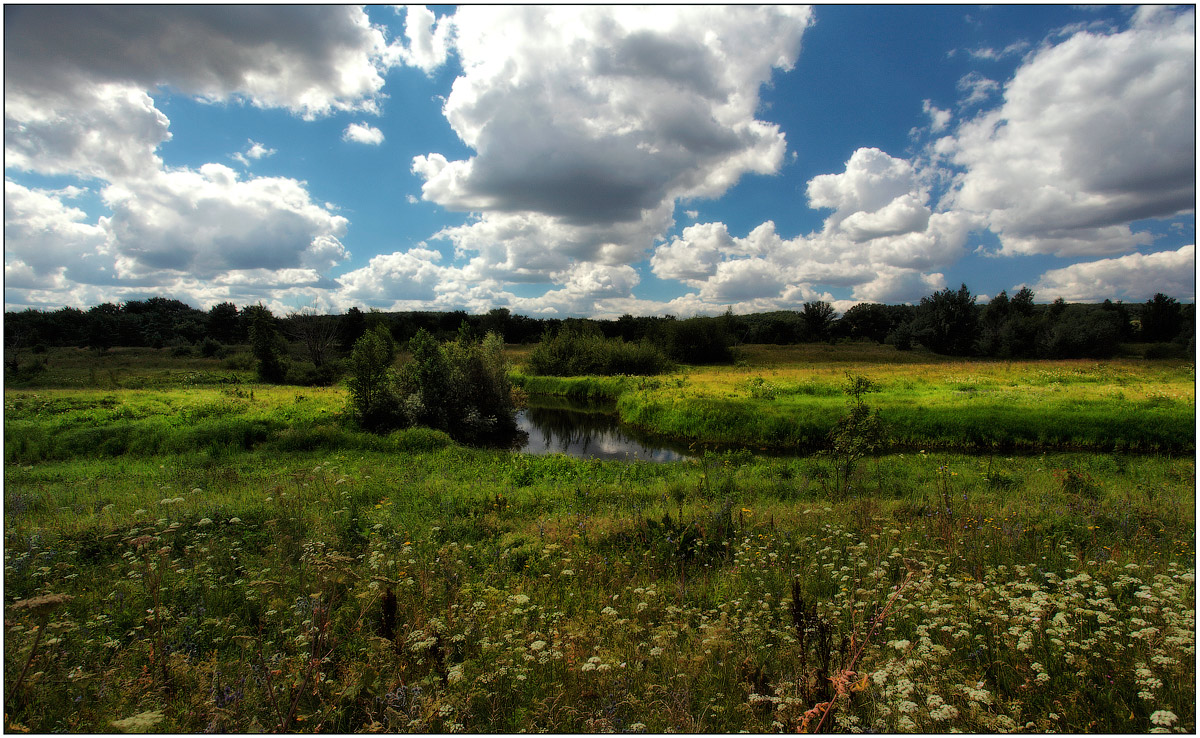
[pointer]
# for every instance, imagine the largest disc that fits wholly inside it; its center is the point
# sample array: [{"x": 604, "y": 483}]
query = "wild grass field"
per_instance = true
[{"x": 186, "y": 555}]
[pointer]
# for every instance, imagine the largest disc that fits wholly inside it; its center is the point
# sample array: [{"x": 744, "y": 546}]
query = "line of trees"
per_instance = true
[{"x": 311, "y": 348}]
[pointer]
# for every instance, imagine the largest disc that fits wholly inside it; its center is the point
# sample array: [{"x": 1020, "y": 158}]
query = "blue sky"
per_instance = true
[{"x": 635, "y": 160}]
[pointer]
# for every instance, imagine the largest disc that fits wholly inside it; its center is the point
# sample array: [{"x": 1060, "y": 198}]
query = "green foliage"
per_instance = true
[
  {"x": 1081, "y": 332},
  {"x": 371, "y": 380},
  {"x": 223, "y": 325},
  {"x": 240, "y": 560},
  {"x": 327, "y": 591},
  {"x": 210, "y": 347},
  {"x": 818, "y": 320},
  {"x": 859, "y": 433},
  {"x": 577, "y": 351},
  {"x": 266, "y": 344},
  {"x": 1162, "y": 319},
  {"x": 461, "y": 388},
  {"x": 699, "y": 340},
  {"x": 946, "y": 322}
]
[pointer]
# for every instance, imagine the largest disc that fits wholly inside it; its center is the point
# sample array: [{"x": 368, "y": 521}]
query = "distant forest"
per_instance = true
[{"x": 947, "y": 322}]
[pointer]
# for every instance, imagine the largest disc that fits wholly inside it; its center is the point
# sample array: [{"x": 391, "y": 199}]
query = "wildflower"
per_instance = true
[
  {"x": 609, "y": 611},
  {"x": 1165, "y": 718},
  {"x": 519, "y": 599},
  {"x": 204, "y": 521},
  {"x": 142, "y": 722},
  {"x": 568, "y": 572},
  {"x": 537, "y": 645},
  {"x": 235, "y": 521},
  {"x": 42, "y": 605}
]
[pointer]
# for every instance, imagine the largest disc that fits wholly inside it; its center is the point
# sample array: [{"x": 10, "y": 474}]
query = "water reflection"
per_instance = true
[{"x": 558, "y": 426}]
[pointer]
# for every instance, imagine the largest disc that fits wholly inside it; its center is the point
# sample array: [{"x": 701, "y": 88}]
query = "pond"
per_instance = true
[{"x": 589, "y": 431}]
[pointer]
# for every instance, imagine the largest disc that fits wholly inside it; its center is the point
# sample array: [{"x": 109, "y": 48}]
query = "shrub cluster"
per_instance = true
[
  {"x": 576, "y": 352},
  {"x": 699, "y": 340},
  {"x": 460, "y": 387}
]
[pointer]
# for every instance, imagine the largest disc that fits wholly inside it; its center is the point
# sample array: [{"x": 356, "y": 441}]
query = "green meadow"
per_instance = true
[{"x": 187, "y": 550}]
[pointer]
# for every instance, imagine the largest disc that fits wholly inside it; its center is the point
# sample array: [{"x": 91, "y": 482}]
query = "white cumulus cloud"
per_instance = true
[
  {"x": 585, "y": 138},
  {"x": 882, "y": 240},
  {"x": 254, "y": 151},
  {"x": 309, "y": 59},
  {"x": 1131, "y": 277},
  {"x": 78, "y": 85},
  {"x": 1094, "y": 133},
  {"x": 363, "y": 134}
]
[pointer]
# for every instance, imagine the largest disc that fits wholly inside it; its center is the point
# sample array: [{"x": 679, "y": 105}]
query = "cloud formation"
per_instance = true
[
  {"x": 1134, "y": 277},
  {"x": 363, "y": 134},
  {"x": 308, "y": 59},
  {"x": 578, "y": 148},
  {"x": 1094, "y": 133},
  {"x": 882, "y": 240},
  {"x": 598, "y": 128},
  {"x": 255, "y": 151},
  {"x": 78, "y": 86}
]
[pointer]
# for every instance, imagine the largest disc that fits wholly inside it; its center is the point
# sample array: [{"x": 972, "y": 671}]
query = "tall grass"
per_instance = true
[{"x": 469, "y": 590}]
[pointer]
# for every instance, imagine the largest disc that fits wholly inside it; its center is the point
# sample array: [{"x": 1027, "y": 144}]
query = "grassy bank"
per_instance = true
[
  {"x": 790, "y": 397},
  {"x": 461, "y": 589}
]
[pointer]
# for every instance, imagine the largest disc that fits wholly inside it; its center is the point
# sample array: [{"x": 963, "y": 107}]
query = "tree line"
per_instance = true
[{"x": 946, "y": 322}]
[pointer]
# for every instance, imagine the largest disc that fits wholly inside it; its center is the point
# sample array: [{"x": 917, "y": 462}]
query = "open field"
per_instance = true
[{"x": 239, "y": 559}]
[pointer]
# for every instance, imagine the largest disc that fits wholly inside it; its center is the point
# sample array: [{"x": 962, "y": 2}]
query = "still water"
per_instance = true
[{"x": 558, "y": 426}]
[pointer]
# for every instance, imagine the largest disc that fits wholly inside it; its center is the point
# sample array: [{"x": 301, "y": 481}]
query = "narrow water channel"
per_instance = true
[{"x": 588, "y": 431}]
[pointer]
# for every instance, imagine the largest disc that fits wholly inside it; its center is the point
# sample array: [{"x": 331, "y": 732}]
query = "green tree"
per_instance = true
[
  {"x": 1081, "y": 332},
  {"x": 222, "y": 324},
  {"x": 946, "y": 322},
  {"x": 867, "y": 320},
  {"x": 266, "y": 344},
  {"x": 352, "y": 326},
  {"x": 460, "y": 387},
  {"x": 371, "y": 381},
  {"x": 991, "y": 325},
  {"x": 1162, "y": 319}
]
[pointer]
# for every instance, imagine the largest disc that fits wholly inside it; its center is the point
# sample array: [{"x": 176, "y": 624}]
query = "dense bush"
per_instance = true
[
  {"x": 1081, "y": 332},
  {"x": 574, "y": 352},
  {"x": 460, "y": 387},
  {"x": 700, "y": 340}
]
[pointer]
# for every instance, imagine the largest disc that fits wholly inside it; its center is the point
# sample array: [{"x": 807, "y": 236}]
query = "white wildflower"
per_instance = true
[{"x": 1165, "y": 718}]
